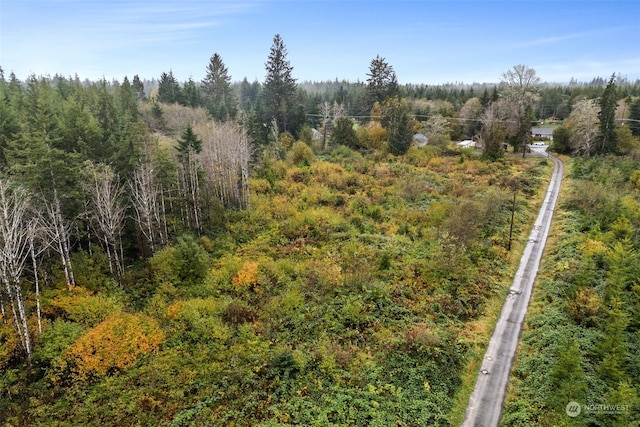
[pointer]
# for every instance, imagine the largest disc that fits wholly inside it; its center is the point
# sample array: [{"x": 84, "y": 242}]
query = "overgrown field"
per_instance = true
[
  {"x": 581, "y": 343},
  {"x": 343, "y": 296}
]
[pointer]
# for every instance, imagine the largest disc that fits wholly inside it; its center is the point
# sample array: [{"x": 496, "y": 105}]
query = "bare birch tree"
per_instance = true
[
  {"x": 225, "y": 158},
  {"x": 146, "y": 202},
  {"x": 36, "y": 231},
  {"x": 325, "y": 112},
  {"x": 59, "y": 231},
  {"x": 107, "y": 213},
  {"x": 14, "y": 247}
]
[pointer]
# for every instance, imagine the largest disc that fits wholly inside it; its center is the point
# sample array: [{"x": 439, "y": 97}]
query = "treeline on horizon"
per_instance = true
[{"x": 556, "y": 98}]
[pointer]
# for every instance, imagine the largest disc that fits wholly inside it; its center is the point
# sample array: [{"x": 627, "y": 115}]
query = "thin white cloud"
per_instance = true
[{"x": 543, "y": 41}]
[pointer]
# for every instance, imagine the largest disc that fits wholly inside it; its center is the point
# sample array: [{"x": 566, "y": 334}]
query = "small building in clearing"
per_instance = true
[
  {"x": 542, "y": 133},
  {"x": 467, "y": 143}
]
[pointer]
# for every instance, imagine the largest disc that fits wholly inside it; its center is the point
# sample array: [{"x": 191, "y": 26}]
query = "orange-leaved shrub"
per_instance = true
[
  {"x": 114, "y": 344},
  {"x": 247, "y": 277}
]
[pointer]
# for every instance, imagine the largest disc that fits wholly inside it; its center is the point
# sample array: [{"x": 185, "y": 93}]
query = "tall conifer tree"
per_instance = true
[
  {"x": 279, "y": 86},
  {"x": 218, "y": 95},
  {"x": 607, "y": 117}
]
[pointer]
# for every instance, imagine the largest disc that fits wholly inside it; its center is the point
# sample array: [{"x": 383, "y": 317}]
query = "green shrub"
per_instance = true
[{"x": 301, "y": 154}]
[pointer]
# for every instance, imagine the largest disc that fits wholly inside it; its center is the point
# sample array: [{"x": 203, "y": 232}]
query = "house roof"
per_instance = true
[
  {"x": 542, "y": 131},
  {"x": 467, "y": 143}
]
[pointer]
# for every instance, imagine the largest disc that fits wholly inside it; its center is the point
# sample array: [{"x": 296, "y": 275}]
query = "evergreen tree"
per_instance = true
[
  {"x": 562, "y": 140},
  {"x": 494, "y": 94},
  {"x": 567, "y": 377},
  {"x": 344, "y": 133},
  {"x": 158, "y": 116},
  {"x": 381, "y": 82},
  {"x": 398, "y": 125},
  {"x": 249, "y": 94},
  {"x": 634, "y": 117},
  {"x": 128, "y": 101},
  {"x": 188, "y": 142},
  {"x": 138, "y": 88},
  {"x": 607, "y": 118},
  {"x": 492, "y": 137},
  {"x": 191, "y": 94},
  {"x": 168, "y": 89},
  {"x": 106, "y": 112},
  {"x": 485, "y": 99},
  {"x": 279, "y": 87},
  {"x": 218, "y": 95},
  {"x": 9, "y": 123}
]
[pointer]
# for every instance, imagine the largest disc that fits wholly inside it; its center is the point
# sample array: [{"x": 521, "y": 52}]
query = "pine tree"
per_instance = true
[
  {"x": 634, "y": 117},
  {"x": 191, "y": 94},
  {"x": 566, "y": 375},
  {"x": 398, "y": 125},
  {"x": 607, "y": 118},
  {"x": 138, "y": 88},
  {"x": 168, "y": 89},
  {"x": 9, "y": 124},
  {"x": 188, "y": 142},
  {"x": 382, "y": 82},
  {"x": 279, "y": 86},
  {"x": 218, "y": 95},
  {"x": 344, "y": 133}
]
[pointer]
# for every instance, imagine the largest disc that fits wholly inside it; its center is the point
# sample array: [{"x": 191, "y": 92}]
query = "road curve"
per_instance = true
[{"x": 485, "y": 404}]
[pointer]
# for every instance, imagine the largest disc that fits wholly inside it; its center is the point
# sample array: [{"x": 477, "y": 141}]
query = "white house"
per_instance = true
[{"x": 467, "y": 143}]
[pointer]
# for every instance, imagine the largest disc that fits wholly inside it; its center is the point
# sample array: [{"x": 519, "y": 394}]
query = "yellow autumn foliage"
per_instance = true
[
  {"x": 114, "y": 344},
  {"x": 593, "y": 248},
  {"x": 247, "y": 277}
]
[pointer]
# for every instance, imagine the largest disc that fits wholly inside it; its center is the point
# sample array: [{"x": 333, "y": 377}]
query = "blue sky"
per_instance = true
[{"x": 426, "y": 41}]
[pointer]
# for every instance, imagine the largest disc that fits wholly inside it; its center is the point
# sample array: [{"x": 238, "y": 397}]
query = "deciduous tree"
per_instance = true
[
  {"x": 583, "y": 125},
  {"x": 225, "y": 155},
  {"x": 189, "y": 146},
  {"x": 14, "y": 250},
  {"x": 147, "y": 204},
  {"x": 107, "y": 213},
  {"x": 520, "y": 91}
]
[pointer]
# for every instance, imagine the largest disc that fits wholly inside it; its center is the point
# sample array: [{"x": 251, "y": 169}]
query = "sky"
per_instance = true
[{"x": 425, "y": 41}]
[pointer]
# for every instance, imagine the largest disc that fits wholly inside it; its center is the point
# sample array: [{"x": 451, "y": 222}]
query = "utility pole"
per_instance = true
[{"x": 513, "y": 212}]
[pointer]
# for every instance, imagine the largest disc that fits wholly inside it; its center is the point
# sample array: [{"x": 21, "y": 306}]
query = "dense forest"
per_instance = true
[{"x": 282, "y": 253}]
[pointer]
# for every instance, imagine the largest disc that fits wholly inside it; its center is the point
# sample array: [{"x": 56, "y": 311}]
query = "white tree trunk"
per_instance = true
[{"x": 14, "y": 245}]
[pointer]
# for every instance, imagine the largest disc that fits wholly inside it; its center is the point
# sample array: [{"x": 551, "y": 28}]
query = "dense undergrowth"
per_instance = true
[
  {"x": 581, "y": 338},
  {"x": 342, "y": 296}
]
